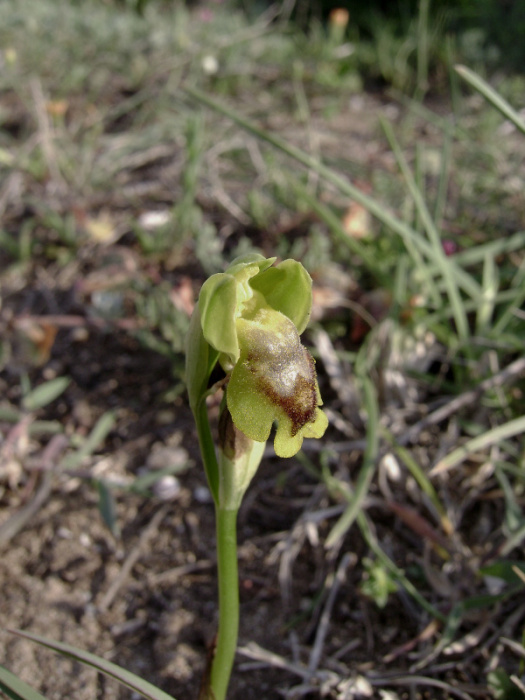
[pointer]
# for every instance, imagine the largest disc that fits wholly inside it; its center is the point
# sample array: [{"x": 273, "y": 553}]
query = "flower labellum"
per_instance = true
[{"x": 275, "y": 379}]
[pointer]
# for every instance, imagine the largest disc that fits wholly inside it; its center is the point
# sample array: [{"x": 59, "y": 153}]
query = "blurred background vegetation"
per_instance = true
[{"x": 494, "y": 29}]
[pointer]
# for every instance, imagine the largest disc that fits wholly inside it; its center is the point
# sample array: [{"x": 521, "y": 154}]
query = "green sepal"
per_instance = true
[
  {"x": 287, "y": 288},
  {"x": 238, "y": 264},
  {"x": 217, "y": 307},
  {"x": 221, "y": 302}
]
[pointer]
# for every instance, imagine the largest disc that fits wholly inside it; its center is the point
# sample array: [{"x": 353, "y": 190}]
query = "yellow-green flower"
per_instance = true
[{"x": 251, "y": 317}]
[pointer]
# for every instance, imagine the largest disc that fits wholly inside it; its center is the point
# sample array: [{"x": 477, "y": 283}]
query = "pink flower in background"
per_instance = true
[
  {"x": 205, "y": 14},
  {"x": 449, "y": 247}
]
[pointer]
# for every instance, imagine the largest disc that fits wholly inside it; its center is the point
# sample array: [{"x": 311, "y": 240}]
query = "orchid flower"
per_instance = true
[{"x": 251, "y": 317}]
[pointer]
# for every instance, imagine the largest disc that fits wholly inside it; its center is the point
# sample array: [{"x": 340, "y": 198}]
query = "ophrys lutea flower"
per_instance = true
[{"x": 251, "y": 317}]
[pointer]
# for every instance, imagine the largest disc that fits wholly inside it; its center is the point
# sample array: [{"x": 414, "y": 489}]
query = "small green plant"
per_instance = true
[
  {"x": 377, "y": 583},
  {"x": 248, "y": 321}
]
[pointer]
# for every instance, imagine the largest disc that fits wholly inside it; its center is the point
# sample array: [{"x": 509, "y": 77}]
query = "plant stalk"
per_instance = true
[{"x": 226, "y": 524}]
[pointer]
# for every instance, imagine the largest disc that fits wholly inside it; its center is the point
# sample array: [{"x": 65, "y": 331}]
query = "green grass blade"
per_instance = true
[
  {"x": 419, "y": 262},
  {"x": 495, "y": 99},
  {"x": 126, "y": 678},
  {"x": 377, "y": 209},
  {"x": 513, "y": 541},
  {"x": 335, "y": 486},
  {"x": 397, "y": 573},
  {"x": 45, "y": 393},
  {"x": 513, "y": 513},
  {"x": 9, "y": 414},
  {"x": 334, "y": 222},
  {"x": 441, "y": 196},
  {"x": 364, "y": 479},
  {"x": 490, "y": 284},
  {"x": 444, "y": 124},
  {"x": 103, "y": 426},
  {"x": 499, "y": 246},
  {"x": 419, "y": 179},
  {"x": 423, "y": 48},
  {"x": 107, "y": 506},
  {"x": 446, "y": 266},
  {"x": 16, "y": 689},
  {"x": 423, "y": 482},
  {"x": 511, "y": 297},
  {"x": 517, "y": 294}
]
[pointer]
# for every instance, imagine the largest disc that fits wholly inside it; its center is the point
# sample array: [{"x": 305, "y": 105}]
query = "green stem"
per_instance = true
[{"x": 226, "y": 523}]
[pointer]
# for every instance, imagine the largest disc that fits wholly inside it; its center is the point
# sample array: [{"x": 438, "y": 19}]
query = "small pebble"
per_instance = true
[
  {"x": 85, "y": 539},
  {"x": 167, "y": 488},
  {"x": 202, "y": 495}
]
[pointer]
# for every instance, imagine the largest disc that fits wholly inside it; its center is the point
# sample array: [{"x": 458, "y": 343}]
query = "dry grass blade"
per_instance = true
[
  {"x": 491, "y": 437},
  {"x": 20, "y": 519},
  {"x": 46, "y": 134},
  {"x": 506, "y": 376},
  {"x": 414, "y": 682},
  {"x": 516, "y": 647},
  {"x": 257, "y": 653},
  {"x": 333, "y": 584},
  {"x": 339, "y": 380}
]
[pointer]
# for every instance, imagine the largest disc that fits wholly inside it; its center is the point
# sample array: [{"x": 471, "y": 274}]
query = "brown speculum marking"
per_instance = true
[{"x": 286, "y": 376}]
